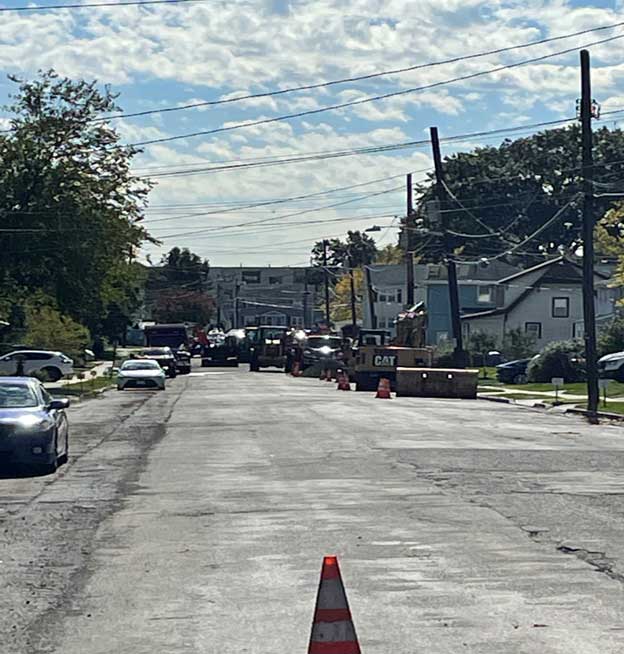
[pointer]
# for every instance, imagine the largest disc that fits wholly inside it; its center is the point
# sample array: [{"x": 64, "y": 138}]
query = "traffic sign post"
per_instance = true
[
  {"x": 557, "y": 382},
  {"x": 603, "y": 384}
]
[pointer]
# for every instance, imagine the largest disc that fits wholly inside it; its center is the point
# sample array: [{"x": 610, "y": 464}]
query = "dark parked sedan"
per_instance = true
[
  {"x": 33, "y": 426},
  {"x": 513, "y": 372}
]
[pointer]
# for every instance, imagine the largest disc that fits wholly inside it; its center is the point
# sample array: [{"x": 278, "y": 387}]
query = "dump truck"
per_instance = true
[{"x": 377, "y": 356}]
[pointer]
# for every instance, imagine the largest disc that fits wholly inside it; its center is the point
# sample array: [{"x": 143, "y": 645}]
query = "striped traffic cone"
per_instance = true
[
  {"x": 333, "y": 631},
  {"x": 383, "y": 389}
]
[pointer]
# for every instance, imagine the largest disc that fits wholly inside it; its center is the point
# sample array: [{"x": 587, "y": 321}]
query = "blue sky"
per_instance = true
[{"x": 162, "y": 56}]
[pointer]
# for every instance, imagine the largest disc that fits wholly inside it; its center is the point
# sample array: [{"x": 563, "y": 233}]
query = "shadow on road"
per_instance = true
[{"x": 17, "y": 471}]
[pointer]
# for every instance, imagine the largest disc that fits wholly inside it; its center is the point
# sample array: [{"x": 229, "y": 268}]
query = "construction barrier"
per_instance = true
[
  {"x": 333, "y": 631},
  {"x": 437, "y": 382}
]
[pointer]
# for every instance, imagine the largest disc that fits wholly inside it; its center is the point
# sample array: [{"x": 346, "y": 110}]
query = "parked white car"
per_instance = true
[{"x": 54, "y": 365}]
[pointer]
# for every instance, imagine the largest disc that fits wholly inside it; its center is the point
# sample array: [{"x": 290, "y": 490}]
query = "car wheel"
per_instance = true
[
  {"x": 119, "y": 388},
  {"x": 53, "y": 374},
  {"x": 520, "y": 378},
  {"x": 64, "y": 458}
]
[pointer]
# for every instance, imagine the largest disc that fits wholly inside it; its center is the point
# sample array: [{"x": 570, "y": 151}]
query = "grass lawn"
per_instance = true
[
  {"x": 612, "y": 407},
  {"x": 85, "y": 387},
  {"x": 615, "y": 389}
]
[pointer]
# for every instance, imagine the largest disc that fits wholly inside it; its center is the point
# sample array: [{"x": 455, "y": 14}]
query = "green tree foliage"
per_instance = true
[
  {"x": 558, "y": 359},
  {"x": 359, "y": 249},
  {"x": 611, "y": 337},
  {"x": 183, "y": 268},
  {"x": 341, "y": 304},
  {"x": 48, "y": 329},
  {"x": 67, "y": 190},
  {"x": 519, "y": 185},
  {"x": 390, "y": 254},
  {"x": 517, "y": 344}
]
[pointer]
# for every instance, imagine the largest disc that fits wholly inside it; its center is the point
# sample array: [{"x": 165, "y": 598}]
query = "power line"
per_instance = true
[
  {"x": 374, "y": 98},
  {"x": 124, "y": 3},
  {"x": 359, "y": 78}
]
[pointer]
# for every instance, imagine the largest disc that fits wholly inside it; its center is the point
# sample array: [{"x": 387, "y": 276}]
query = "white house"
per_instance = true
[{"x": 545, "y": 301}]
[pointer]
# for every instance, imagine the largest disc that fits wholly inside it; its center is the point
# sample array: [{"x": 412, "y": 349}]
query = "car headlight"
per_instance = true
[
  {"x": 325, "y": 350},
  {"x": 29, "y": 422}
]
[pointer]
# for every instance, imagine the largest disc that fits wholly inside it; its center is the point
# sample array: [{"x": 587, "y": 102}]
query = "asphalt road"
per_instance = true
[{"x": 195, "y": 521}]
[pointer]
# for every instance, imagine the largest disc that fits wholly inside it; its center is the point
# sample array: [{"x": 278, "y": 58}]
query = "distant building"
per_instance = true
[{"x": 265, "y": 295}]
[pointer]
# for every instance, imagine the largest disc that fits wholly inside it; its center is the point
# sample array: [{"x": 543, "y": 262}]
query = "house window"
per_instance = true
[
  {"x": 382, "y": 297},
  {"x": 275, "y": 280},
  {"x": 561, "y": 307},
  {"x": 578, "y": 330},
  {"x": 533, "y": 329},
  {"x": 251, "y": 276},
  {"x": 485, "y": 295},
  {"x": 296, "y": 321},
  {"x": 398, "y": 296}
]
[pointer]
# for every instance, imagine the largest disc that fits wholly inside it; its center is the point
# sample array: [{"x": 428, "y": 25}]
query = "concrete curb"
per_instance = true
[
  {"x": 495, "y": 398},
  {"x": 600, "y": 414}
]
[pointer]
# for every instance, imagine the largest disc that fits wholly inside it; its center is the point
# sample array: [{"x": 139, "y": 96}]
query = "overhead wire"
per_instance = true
[
  {"x": 384, "y": 96},
  {"x": 359, "y": 78}
]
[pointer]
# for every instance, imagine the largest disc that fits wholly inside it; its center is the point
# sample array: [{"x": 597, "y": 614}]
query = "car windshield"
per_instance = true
[
  {"x": 140, "y": 365},
  {"x": 274, "y": 334},
  {"x": 320, "y": 341},
  {"x": 16, "y": 396}
]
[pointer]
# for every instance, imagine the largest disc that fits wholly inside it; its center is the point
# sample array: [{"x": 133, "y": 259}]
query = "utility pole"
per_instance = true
[
  {"x": 236, "y": 312},
  {"x": 589, "y": 309},
  {"x": 326, "y": 281},
  {"x": 352, "y": 282},
  {"x": 306, "y": 293},
  {"x": 409, "y": 256},
  {"x": 218, "y": 303},
  {"x": 459, "y": 354}
]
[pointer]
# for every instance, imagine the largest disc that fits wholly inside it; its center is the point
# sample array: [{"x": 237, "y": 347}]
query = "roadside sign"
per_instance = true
[{"x": 557, "y": 382}]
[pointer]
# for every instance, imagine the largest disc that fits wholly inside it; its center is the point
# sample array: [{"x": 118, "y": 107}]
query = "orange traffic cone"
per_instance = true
[
  {"x": 296, "y": 369},
  {"x": 343, "y": 381},
  {"x": 333, "y": 631},
  {"x": 383, "y": 389}
]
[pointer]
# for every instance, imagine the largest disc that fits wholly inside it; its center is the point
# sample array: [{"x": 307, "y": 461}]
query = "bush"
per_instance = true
[
  {"x": 558, "y": 359},
  {"x": 517, "y": 344},
  {"x": 48, "y": 329},
  {"x": 478, "y": 345},
  {"x": 611, "y": 337},
  {"x": 443, "y": 356}
]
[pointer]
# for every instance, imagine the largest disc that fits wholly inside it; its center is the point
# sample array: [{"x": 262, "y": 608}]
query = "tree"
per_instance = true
[
  {"x": 517, "y": 187},
  {"x": 518, "y": 345},
  {"x": 341, "y": 303},
  {"x": 185, "y": 268},
  {"x": 67, "y": 190},
  {"x": 180, "y": 305},
  {"x": 48, "y": 329},
  {"x": 390, "y": 254},
  {"x": 359, "y": 249}
]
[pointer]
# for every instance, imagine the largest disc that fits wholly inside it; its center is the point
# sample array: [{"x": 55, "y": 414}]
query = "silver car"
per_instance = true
[
  {"x": 33, "y": 425},
  {"x": 141, "y": 373}
]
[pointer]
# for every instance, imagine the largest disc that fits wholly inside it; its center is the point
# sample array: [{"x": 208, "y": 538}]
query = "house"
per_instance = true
[
  {"x": 386, "y": 294},
  {"x": 545, "y": 301},
  {"x": 265, "y": 295}
]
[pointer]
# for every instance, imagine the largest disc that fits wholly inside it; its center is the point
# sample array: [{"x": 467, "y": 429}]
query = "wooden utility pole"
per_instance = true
[
  {"x": 326, "y": 281},
  {"x": 459, "y": 355},
  {"x": 589, "y": 309},
  {"x": 352, "y": 283},
  {"x": 409, "y": 256}
]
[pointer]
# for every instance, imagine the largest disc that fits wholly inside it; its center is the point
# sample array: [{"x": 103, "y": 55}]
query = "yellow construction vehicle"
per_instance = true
[{"x": 376, "y": 356}]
